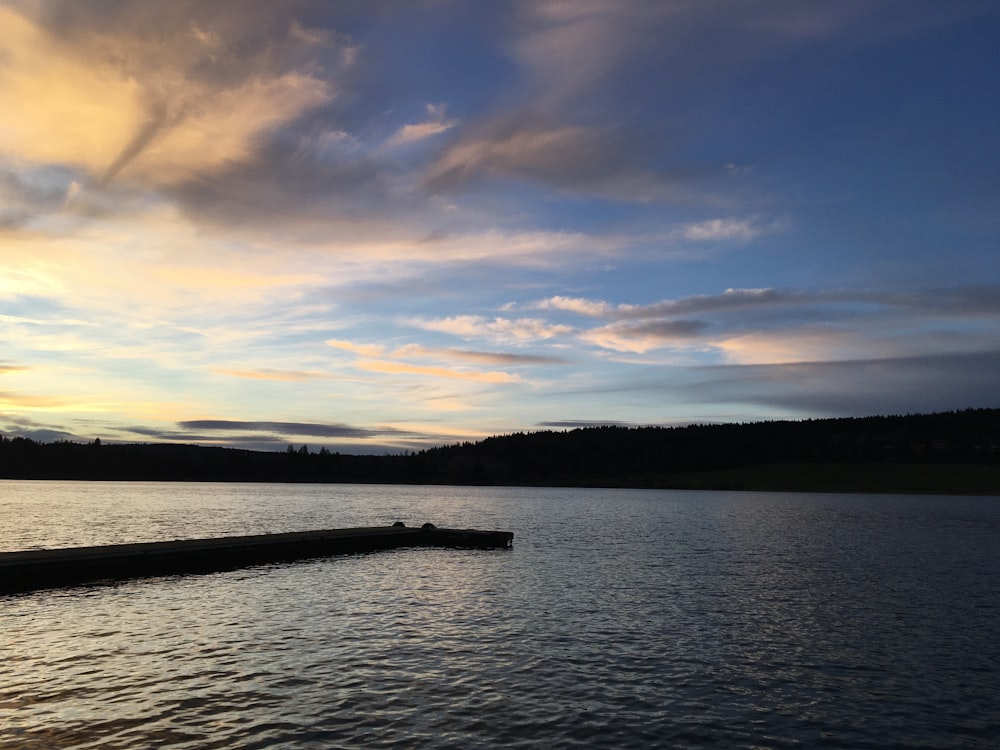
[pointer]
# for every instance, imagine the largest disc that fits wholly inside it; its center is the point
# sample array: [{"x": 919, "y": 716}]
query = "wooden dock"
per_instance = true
[{"x": 51, "y": 568}]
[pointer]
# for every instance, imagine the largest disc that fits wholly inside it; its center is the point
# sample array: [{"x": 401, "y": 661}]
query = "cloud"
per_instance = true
[
  {"x": 378, "y": 359},
  {"x": 569, "y": 47},
  {"x": 270, "y": 374},
  {"x": 300, "y": 183},
  {"x": 502, "y": 330},
  {"x": 403, "y": 368},
  {"x": 799, "y": 344},
  {"x": 256, "y": 113},
  {"x": 975, "y": 300},
  {"x": 858, "y": 387},
  {"x": 29, "y": 193},
  {"x": 249, "y": 441},
  {"x": 38, "y": 434},
  {"x": 195, "y": 196},
  {"x": 756, "y": 326},
  {"x": 567, "y": 120},
  {"x": 265, "y": 441},
  {"x": 154, "y": 267},
  {"x": 722, "y": 229},
  {"x": 155, "y": 95},
  {"x": 211, "y": 129},
  {"x": 15, "y": 400},
  {"x": 464, "y": 355},
  {"x": 586, "y": 159},
  {"x": 309, "y": 429},
  {"x": 552, "y": 154},
  {"x": 244, "y": 115},
  {"x": 364, "y": 350},
  {"x": 419, "y": 131},
  {"x": 577, "y": 305},
  {"x": 223, "y": 275},
  {"x": 728, "y": 300},
  {"x": 642, "y": 337}
]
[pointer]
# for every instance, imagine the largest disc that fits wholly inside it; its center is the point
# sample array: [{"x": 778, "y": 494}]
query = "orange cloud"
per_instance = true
[
  {"x": 14, "y": 400},
  {"x": 365, "y": 350},
  {"x": 56, "y": 109},
  {"x": 123, "y": 105}
]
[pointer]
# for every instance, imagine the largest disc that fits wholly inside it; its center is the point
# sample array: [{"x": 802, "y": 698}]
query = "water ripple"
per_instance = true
[{"x": 620, "y": 620}]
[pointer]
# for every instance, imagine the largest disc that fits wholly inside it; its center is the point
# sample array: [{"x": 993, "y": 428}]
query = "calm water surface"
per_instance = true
[{"x": 621, "y": 619}]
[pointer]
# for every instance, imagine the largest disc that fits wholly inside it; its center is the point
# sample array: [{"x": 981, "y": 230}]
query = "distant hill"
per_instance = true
[{"x": 951, "y": 452}]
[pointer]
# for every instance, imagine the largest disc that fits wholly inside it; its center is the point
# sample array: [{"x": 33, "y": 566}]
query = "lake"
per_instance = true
[{"x": 620, "y": 619}]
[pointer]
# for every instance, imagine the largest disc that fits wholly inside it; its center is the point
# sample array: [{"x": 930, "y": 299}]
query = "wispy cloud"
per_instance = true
[
  {"x": 269, "y": 374},
  {"x": 403, "y": 368},
  {"x": 643, "y": 337},
  {"x": 728, "y": 300},
  {"x": 492, "y": 358},
  {"x": 553, "y": 154},
  {"x": 500, "y": 330},
  {"x": 377, "y": 358},
  {"x": 308, "y": 429},
  {"x": 722, "y": 229},
  {"x": 364, "y": 350},
  {"x": 420, "y": 131},
  {"x": 14, "y": 400},
  {"x": 437, "y": 123}
]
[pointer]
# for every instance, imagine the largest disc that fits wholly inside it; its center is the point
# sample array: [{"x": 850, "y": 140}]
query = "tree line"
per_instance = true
[{"x": 592, "y": 456}]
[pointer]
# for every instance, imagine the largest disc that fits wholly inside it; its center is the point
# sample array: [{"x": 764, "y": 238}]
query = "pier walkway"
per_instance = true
[{"x": 50, "y": 568}]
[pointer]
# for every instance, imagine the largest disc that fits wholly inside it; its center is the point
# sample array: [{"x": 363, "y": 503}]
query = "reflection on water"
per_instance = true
[{"x": 619, "y": 619}]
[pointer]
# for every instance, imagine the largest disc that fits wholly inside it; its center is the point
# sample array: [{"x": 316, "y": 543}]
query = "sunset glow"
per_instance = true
[{"x": 380, "y": 227}]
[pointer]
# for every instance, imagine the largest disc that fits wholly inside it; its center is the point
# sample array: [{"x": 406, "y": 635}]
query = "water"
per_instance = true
[{"x": 621, "y": 619}]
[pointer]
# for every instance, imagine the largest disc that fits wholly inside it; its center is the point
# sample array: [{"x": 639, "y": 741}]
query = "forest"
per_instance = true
[{"x": 950, "y": 452}]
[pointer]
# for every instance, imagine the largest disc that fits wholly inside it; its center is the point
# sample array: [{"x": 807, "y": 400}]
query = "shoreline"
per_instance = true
[{"x": 840, "y": 478}]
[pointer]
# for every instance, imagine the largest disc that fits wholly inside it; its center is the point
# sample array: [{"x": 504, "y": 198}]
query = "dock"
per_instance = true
[{"x": 31, "y": 570}]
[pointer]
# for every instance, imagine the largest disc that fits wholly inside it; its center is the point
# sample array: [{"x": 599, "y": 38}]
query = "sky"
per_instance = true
[{"x": 380, "y": 226}]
